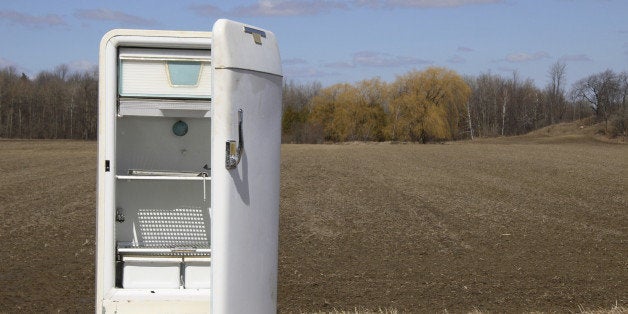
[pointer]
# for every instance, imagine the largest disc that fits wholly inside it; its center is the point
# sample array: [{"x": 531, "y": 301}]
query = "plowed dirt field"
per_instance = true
[{"x": 502, "y": 226}]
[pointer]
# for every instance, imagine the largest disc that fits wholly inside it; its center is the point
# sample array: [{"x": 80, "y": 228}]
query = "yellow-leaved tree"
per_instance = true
[
  {"x": 350, "y": 113},
  {"x": 426, "y": 105}
]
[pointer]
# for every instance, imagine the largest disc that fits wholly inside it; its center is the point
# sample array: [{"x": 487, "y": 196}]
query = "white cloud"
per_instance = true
[
  {"x": 4, "y": 63},
  {"x": 456, "y": 59},
  {"x": 206, "y": 9},
  {"x": 288, "y": 8},
  {"x": 422, "y": 4},
  {"x": 378, "y": 59},
  {"x": 29, "y": 20},
  {"x": 437, "y": 3},
  {"x": 340, "y": 65},
  {"x": 464, "y": 49},
  {"x": 368, "y": 3},
  {"x": 82, "y": 66},
  {"x": 525, "y": 57},
  {"x": 314, "y": 7},
  {"x": 577, "y": 57},
  {"x": 506, "y": 69},
  {"x": 306, "y": 72},
  {"x": 113, "y": 16},
  {"x": 293, "y": 61},
  {"x": 17, "y": 69}
]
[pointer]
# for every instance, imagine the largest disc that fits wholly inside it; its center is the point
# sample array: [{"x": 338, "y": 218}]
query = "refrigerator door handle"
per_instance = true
[{"x": 233, "y": 152}]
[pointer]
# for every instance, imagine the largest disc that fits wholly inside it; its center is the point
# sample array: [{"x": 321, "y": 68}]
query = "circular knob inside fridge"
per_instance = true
[{"x": 180, "y": 128}]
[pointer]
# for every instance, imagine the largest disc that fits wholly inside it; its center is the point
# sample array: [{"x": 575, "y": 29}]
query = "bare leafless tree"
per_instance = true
[
  {"x": 602, "y": 91},
  {"x": 556, "y": 92}
]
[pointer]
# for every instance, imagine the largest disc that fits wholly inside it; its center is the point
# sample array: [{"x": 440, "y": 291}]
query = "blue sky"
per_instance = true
[{"x": 335, "y": 41}]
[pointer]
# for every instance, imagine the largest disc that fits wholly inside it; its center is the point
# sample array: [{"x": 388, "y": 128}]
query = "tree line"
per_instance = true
[
  {"x": 437, "y": 104},
  {"x": 434, "y": 104},
  {"x": 59, "y": 104}
]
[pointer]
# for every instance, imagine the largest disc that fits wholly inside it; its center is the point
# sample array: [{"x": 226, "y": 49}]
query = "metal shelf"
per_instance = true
[
  {"x": 154, "y": 251},
  {"x": 174, "y": 178}
]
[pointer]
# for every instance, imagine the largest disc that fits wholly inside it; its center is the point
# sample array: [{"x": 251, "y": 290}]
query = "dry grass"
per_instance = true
[{"x": 576, "y": 131}]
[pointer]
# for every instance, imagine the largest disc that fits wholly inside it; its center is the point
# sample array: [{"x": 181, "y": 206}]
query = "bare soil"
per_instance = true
[
  {"x": 507, "y": 225},
  {"x": 47, "y": 226}
]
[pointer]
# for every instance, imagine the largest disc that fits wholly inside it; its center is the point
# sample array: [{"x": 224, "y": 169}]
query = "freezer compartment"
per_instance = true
[{"x": 164, "y": 73}]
